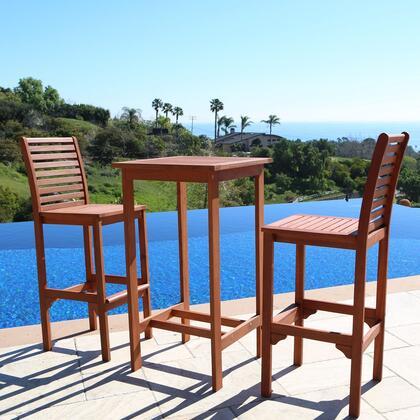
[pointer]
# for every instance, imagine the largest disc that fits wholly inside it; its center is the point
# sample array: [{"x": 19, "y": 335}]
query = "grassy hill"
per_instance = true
[{"x": 105, "y": 187}]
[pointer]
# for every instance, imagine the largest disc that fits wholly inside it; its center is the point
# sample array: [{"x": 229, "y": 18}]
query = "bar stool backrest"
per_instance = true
[
  {"x": 55, "y": 171},
  {"x": 381, "y": 183}
]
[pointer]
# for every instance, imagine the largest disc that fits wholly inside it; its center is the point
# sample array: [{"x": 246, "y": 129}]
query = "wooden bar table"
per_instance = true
[{"x": 183, "y": 169}]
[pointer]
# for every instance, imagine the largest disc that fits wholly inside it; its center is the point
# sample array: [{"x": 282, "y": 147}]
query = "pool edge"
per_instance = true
[{"x": 31, "y": 334}]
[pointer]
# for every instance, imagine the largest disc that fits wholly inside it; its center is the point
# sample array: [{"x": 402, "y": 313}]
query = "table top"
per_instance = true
[
  {"x": 213, "y": 163},
  {"x": 191, "y": 168}
]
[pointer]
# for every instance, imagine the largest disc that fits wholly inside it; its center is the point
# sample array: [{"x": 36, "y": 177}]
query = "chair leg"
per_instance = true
[
  {"x": 101, "y": 288},
  {"x": 87, "y": 239},
  {"x": 144, "y": 261},
  {"x": 42, "y": 284},
  {"x": 267, "y": 315},
  {"x": 357, "y": 336},
  {"x": 299, "y": 296},
  {"x": 380, "y": 308}
]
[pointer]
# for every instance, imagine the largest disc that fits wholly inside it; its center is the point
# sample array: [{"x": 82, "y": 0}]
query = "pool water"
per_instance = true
[{"x": 65, "y": 260}]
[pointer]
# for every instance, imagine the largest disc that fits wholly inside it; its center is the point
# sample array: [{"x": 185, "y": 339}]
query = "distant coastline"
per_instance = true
[{"x": 329, "y": 130}]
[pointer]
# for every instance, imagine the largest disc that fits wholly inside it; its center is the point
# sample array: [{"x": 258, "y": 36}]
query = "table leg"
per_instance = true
[
  {"x": 131, "y": 270},
  {"x": 214, "y": 260},
  {"x": 259, "y": 221},
  {"x": 183, "y": 251}
]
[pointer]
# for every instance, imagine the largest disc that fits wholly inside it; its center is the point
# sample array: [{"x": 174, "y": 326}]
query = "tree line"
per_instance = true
[
  {"x": 299, "y": 168},
  {"x": 226, "y": 123}
]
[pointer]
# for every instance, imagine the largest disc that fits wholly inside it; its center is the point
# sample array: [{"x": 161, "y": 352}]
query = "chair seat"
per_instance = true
[
  {"x": 316, "y": 230},
  {"x": 88, "y": 214}
]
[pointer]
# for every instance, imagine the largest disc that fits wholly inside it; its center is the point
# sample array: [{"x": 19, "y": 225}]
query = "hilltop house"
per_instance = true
[{"x": 235, "y": 141}]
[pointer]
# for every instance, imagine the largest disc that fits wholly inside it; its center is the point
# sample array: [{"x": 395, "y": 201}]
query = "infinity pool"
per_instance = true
[{"x": 325, "y": 267}]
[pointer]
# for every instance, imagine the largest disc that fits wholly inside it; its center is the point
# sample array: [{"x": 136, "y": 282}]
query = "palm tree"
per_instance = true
[
  {"x": 245, "y": 122},
  {"x": 166, "y": 108},
  {"x": 272, "y": 120},
  {"x": 156, "y": 105},
  {"x": 178, "y": 112},
  {"x": 131, "y": 115},
  {"x": 228, "y": 124},
  {"x": 220, "y": 122},
  {"x": 216, "y": 105}
]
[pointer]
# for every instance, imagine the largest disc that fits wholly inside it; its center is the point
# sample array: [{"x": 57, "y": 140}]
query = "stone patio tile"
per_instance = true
[
  {"x": 222, "y": 414},
  {"x": 405, "y": 362},
  {"x": 321, "y": 375},
  {"x": 89, "y": 351},
  {"x": 201, "y": 348},
  {"x": 62, "y": 350},
  {"x": 184, "y": 388},
  {"x": 408, "y": 333},
  {"x": 27, "y": 386},
  {"x": 405, "y": 414},
  {"x": 391, "y": 394},
  {"x": 415, "y": 293},
  {"x": 135, "y": 405},
  {"x": 329, "y": 403},
  {"x": 402, "y": 309},
  {"x": 114, "y": 382}
]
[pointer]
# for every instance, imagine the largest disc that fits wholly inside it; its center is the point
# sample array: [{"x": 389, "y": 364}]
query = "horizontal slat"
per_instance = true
[
  {"x": 237, "y": 333},
  {"x": 61, "y": 180},
  {"x": 62, "y": 188},
  {"x": 61, "y": 197},
  {"x": 396, "y": 138},
  {"x": 59, "y": 164},
  {"x": 393, "y": 148},
  {"x": 389, "y": 159},
  {"x": 379, "y": 203},
  {"x": 46, "y": 207},
  {"x": 376, "y": 224},
  {"x": 120, "y": 298},
  {"x": 53, "y": 156},
  {"x": 377, "y": 214},
  {"x": 117, "y": 279},
  {"x": 371, "y": 335},
  {"x": 203, "y": 317},
  {"x": 71, "y": 295},
  {"x": 386, "y": 180},
  {"x": 339, "y": 308},
  {"x": 385, "y": 170},
  {"x": 58, "y": 172},
  {"x": 161, "y": 316},
  {"x": 59, "y": 148},
  {"x": 311, "y": 334},
  {"x": 43, "y": 140},
  {"x": 180, "y": 328},
  {"x": 381, "y": 192},
  {"x": 287, "y": 315}
]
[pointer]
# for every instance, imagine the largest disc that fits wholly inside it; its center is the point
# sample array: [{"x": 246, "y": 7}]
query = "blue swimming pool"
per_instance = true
[{"x": 325, "y": 267}]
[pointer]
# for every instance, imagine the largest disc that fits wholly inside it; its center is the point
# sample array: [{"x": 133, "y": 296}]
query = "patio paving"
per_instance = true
[{"x": 72, "y": 382}]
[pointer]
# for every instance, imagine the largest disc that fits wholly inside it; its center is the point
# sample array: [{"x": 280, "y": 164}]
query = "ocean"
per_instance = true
[{"x": 327, "y": 130}]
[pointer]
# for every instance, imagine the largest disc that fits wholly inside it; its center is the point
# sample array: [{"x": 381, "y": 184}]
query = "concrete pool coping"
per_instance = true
[{"x": 31, "y": 334}]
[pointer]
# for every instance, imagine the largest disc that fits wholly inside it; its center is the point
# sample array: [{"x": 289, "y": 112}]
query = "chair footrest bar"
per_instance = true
[
  {"x": 120, "y": 298},
  {"x": 71, "y": 293},
  {"x": 159, "y": 316},
  {"x": 371, "y": 335},
  {"x": 181, "y": 328},
  {"x": 203, "y": 317},
  {"x": 113, "y": 279},
  {"x": 239, "y": 331},
  {"x": 288, "y": 315},
  {"x": 311, "y": 334},
  {"x": 339, "y": 308}
]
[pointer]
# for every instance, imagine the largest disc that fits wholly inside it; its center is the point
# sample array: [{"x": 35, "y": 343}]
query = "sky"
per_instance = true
[{"x": 303, "y": 60}]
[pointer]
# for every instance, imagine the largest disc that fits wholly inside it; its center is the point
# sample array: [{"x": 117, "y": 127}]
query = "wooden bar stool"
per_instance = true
[
  {"x": 337, "y": 232},
  {"x": 60, "y": 196}
]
